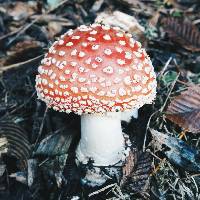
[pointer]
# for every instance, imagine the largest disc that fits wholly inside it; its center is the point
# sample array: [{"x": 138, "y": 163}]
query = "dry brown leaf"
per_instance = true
[
  {"x": 22, "y": 45},
  {"x": 20, "y": 10},
  {"x": 184, "y": 110},
  {"x": 22, "y": 51},
  {"x": 184, "y": 33},
  {"x": 136, "y": 172},
  {"x": 154, "y": 19},
  {"x": 54, "y": 28},
  {"x": 129, "y": 165},
  {"x": 126, "y": 22}
]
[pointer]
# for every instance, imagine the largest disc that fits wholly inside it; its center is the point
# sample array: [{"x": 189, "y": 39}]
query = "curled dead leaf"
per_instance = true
[
  {"x": 182, "y": 32},
  {"x": 184, "y": 109},
  {"x": 18, "y": 144}
]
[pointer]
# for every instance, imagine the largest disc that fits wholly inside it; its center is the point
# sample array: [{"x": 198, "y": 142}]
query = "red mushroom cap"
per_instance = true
[{"x": 96, "y": 69}]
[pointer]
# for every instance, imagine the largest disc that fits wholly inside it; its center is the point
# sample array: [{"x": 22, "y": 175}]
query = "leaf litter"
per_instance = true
[
  {"x": 50, "y": 170},
  {"x": 182, "y": 32},
  {"x": 184, "y": 109}
]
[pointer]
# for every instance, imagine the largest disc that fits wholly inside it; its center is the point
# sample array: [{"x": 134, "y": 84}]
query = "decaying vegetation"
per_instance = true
[{"x": 37, "y": 146}]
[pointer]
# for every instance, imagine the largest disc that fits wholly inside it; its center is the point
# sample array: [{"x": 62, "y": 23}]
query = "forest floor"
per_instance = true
[{"x": 37, "y": 144}]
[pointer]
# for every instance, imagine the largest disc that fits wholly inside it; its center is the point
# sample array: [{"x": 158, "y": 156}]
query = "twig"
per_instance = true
[
  {"x": 183, "y": 134},
  {"x": 40, "y": 164},
  {"x": 55, "y": 8},
  {"x": 102, "y": 189},
  {"x": 22, "y": 31},
  {"x": 51, "y": 17},
  {"x": 154, "y": 155},
  {"x": 170, "y": 91},
  {"x": 159, "y": 111},
  {"x": 148, "y": 125},
  {"x": 9, "y": 34},
  {"x": 197, "y": 188},
  {"x": 197, "y": 143},
  {"x": 195, "y": 175},
  {"x": 184, "y": 83},
  {"x": 165, "y": 67},
  {"x": 2, "y": 69},
  {"x": 118, "y": 193},
  {"x": 41, "y": 126},
  {"x": 19, "y": 107}
]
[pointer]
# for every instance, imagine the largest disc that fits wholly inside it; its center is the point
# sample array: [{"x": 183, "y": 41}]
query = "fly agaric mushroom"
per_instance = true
[{"x": 97, "y": 72}]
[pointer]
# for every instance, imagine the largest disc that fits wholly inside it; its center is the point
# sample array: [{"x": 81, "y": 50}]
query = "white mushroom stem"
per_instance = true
[
  {"x": 126, "y": 115},
  {"x": 101, "y": 139}
]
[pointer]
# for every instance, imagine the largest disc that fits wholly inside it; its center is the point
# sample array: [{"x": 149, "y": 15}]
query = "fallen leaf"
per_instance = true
[
  {"x": 184, "y": 110},
  {"x": 126, "y": 22},
  {"x": 182, "y": 32},
  {"x": 129, "y": 164},
  {"x": 18, "y": 144},
  {"x": 179, "y": 153},
  {"x": 153, "y": 21},
  {"x": 21, "y": 10},
  {"x": 136, "y": 172},
  {"x": 55, "y": 144},
  {"x": 22, "y": 51},
  {"x": 54, "y": 28}
]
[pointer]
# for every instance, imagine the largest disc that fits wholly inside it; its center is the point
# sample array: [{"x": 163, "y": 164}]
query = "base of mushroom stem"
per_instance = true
[
  {"x": 94, "y": 176},
  {"x": 97, "y": 176}
]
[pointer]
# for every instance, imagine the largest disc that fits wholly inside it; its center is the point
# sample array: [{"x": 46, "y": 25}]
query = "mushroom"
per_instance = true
[{"x": 98, "y": 72}]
